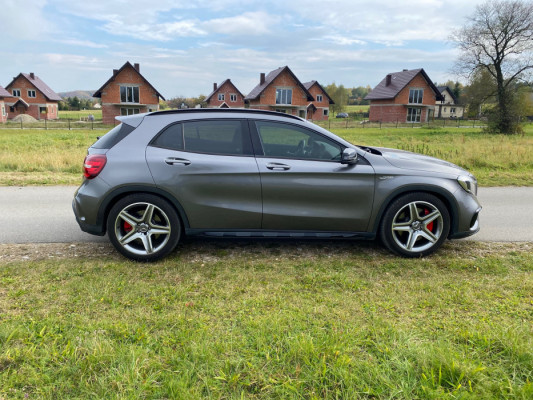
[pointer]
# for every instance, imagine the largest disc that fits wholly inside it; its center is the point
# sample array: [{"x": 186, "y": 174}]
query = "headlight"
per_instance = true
[{"x": 468, "y": 183}]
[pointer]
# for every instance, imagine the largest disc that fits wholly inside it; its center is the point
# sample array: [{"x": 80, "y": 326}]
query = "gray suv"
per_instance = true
[{"x": 248, "y": 173}]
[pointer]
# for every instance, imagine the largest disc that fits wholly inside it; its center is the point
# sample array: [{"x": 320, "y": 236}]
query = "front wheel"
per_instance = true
[
  {"x": 415, "y": 225},
  {"x": 143, "y": 227}
]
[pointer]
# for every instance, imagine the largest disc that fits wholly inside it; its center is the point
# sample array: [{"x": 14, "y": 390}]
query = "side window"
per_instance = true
[
  {"x": 227, "y": 137},
  {"x": 288, "y": 141},
  {"x": 170, "y": 138}
]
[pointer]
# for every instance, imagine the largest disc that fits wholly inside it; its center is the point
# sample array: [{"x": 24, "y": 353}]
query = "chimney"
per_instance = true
[
  {"x": 214, "y": 86},
  {"x": 115, "y": 72},
  {"x": 137, "y": 67},
  {"x": 388, "y": 80},
  {"x": 32, "y": 75},
  {"x": 262, "y": 78}
]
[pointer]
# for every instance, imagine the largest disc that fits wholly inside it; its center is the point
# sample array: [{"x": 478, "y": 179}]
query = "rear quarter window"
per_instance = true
[{"x": 114, "y": 136}]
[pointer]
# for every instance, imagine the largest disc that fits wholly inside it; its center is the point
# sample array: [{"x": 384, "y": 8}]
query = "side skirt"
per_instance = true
[{"x": 280, "y": 234}]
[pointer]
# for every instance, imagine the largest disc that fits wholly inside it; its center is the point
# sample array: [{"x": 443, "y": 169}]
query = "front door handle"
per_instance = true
[
  {"x": 174, "y": 161},
  {"x": 278, "y": 166}
]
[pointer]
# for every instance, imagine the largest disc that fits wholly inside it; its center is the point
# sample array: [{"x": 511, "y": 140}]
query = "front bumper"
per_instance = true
[{"x": 474, "y": 227}]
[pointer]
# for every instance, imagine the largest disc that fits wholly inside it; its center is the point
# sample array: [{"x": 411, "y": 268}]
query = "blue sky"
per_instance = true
[{"x": 185, "y": 46}]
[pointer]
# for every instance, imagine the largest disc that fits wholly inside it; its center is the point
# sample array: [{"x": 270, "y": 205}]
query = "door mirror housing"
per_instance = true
[{"x": 349, "y": 156}]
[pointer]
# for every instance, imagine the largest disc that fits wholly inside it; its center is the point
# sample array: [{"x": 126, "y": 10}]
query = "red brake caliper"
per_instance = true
[
  {"x": 430, "y": 225},
  {"x": 127, "y": 227}
]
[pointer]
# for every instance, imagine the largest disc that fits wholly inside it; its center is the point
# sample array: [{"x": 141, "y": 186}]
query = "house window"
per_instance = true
[
  {"x": 16, "y": 92},
  {"x": 42, "y": 110},
  {"x": 283, "y": 96},
  {"x": 444, "y": 109},
  {"x": 233, "y": 97},
  {"x": 413, "y": 114},
  {"x": 415, "y": 96},
  {"x": 11, "y": 108},
  {"x": 318, "y": 97},
  {"x": 31, "y": 93},
  {"x": 221, "y": 97},
  {"x": 3, "y": 111},
  {"x": 326, "y": 112},
  {"x": 129, "y": 111},
  {"x": 452, "y": 110},
  {"x": 129, "y": 94}
]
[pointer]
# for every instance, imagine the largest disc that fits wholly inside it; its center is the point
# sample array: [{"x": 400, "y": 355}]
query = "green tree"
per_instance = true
[
  {"x": 480, "y": 95},
  {"x": 498, "y": 38},
  {"x": 339, "y": 95}
]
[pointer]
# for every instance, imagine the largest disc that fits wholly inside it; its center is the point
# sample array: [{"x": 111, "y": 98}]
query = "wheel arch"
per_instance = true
[
  {"x": 442, "y": 194},
  {"x": 116, "y": 195}
]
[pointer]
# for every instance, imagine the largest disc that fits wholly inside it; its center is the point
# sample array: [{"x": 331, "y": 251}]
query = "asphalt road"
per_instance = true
[{"x": 44, "y": 215}]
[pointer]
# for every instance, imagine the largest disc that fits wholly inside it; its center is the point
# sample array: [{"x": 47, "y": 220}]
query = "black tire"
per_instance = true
[
  {"x": 143, "y": 227},
  {"x": 415, "y": 225}
]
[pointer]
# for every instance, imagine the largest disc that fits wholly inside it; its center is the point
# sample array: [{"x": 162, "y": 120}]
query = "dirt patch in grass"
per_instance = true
[{"x": 216, "y": 250}]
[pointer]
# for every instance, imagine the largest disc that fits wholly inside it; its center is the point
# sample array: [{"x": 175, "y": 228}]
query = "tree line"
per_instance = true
[{"x": 76, "y": 104}]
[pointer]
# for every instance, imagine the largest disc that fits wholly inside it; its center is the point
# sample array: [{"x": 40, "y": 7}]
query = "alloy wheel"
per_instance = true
[
  {"x": 417, "y": 226},
  {"x": 142, "y": 228}
]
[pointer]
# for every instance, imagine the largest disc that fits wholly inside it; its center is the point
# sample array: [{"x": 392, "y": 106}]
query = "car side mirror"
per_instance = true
[{"x": 349, "y": 156}]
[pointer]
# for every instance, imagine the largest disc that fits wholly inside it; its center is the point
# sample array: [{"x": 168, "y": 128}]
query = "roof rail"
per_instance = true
[{"x": 225, "y": 110}]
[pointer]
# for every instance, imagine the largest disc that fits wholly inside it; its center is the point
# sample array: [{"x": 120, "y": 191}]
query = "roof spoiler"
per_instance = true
[{"x": 131, "y": 120}]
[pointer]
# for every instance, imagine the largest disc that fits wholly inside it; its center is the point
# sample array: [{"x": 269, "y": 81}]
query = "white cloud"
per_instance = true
[
  {"x": 25, "y": 22},
  {"x": 84, "y": 43},
  {"x": 386, "y": 21},
  {"x": 248, "y": 23}
]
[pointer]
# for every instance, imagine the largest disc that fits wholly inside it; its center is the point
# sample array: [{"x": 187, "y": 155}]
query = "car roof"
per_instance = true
[{"x": 226, "y": 110}]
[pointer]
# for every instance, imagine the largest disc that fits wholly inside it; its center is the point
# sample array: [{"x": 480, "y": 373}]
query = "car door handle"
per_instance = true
[
  {"x": 174, "y": 161},
  {"x": 278, "y": 166}
]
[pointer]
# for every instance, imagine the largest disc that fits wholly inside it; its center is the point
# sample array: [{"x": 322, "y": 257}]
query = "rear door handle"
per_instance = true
[
  {"x": 278, "y": 166},
  {"x": 174, "y": 161}
]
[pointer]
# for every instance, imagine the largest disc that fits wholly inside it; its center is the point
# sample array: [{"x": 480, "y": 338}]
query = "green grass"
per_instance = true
[
  {"x": 54, "y": 156},
  {"x": 269, "y": 320},
  {"x": 38, "y": 157}
]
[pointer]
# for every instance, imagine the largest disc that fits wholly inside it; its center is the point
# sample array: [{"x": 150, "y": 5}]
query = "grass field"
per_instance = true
[
  {"x": 267, "y": 320},
  {"x": 78, "y": 115},
  {"x": 55, "y": 156},
  {"x": 351, "y": 109}
]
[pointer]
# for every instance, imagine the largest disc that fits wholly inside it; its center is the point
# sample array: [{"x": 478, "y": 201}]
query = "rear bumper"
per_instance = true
[
  {"x": 84, "y": 226},
  {"x": 86, "y": 205}
]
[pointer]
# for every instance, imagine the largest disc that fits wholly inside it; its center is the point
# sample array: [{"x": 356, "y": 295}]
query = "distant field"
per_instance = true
[
  {"x": 356, "y": 109},
  {"x": 55, "y": 156},
  {"x": 79, "y": 115}
]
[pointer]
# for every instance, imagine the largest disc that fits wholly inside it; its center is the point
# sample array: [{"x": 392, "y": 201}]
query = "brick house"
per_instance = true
[
  {"x": 281, "y": 91},
  {"x": 449, "y": 106},
  {"x": 127, "y": 92},
  {"x": 225, "y": 95},
  {"x": 406, "y": 96},
  {"x": 320, "y": 111},
  {"x": 3, "y": 111},
  {"x": 30, "y": 95}
]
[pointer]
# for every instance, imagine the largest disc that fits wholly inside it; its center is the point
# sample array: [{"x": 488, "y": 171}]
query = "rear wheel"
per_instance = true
[
  {"x": 143, "y": 227},
  {"x": 415, "y": 225}
]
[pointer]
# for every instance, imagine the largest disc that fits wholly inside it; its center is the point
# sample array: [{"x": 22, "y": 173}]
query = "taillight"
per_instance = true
[{"x": 93, "y": 165}]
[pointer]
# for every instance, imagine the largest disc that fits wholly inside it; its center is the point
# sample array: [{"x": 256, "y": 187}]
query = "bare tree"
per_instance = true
[{"x": 498, "y": 38}]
